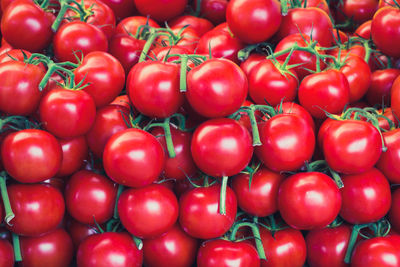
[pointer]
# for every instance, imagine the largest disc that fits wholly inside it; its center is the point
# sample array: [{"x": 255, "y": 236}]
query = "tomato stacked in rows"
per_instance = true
[{"x": 200, "y": 133}]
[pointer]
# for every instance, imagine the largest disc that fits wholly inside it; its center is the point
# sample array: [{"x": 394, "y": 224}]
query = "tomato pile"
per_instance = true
[{"x": 202, "y": 133}]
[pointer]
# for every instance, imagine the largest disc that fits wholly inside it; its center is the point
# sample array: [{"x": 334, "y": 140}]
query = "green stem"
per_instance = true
[
  {"x": 254, "y": 128},
  {"x": 168, "y": 138},
  {"x": 138, "y": 242},
  {"x": 148, "y": 44},
  {"x": 182, "y": 82},
  {"x": 284, "y": 7},
  {"x": 6, "y": 201},
  {"x": 52, "y": 67},
  {"x": 256, "y": 234},
  {"x": 352, "y": 241},
  {"x": 337, "y": 178},
  {"x": 120, "y": 189},
  {"x": 198, "y": 8},
  {"x": 222, "y": 196},
  {"x": 63, "y": 9},
  {"x": 17, "y": 247}
]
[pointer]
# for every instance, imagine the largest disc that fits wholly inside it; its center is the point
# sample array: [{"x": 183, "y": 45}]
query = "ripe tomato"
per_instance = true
[
  {"x": 126, "y": 49},
  {"x": 161, "y": 10},
  {"x": 381, "y": 83},
  {"x": 74, "y": 152},
  {"x": 6, "y": 254},
  {"x": 251, "y": 62},
  {"x": 198, "y": 24},
  {"x": 378, "y": 251},
  {"x": 394, "y": 212},
  {"x": 149, "y": 211},
  {"x": 293, "y": 108},
  {"x": 79, "y": 231},
  {"x": 121, "y": 8},
  {"x": 213, "y": 10},
  {"x": 133, "y": 157},
  {"x": 387, "y": 162},
  {"x": 395, "y": 97},
  {"x": 31, "y": 156},
  {"x": 364, "y": 30},
  {"x": 359, "y": 10},
  {"x": 130, "y": 25}
]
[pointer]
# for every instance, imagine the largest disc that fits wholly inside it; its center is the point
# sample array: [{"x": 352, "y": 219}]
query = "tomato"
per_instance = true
[
  {"x": 267, "y": 84},
  {"x": 253, "y": 21},
  {"x": 284, "y": 248},
  {"x": 79, "y": 231},
  {"x": 293, "y": 108},
  {"x": 394, "y": 212},
  {"x": 77, "y": 39},
  {"x": 109, "y": 120},
  {"x": 90, "y": 196},
  {"x": 38, "y": 208},
  {"x": 67, "y": 113},
  {"x": 387, "y": 162},
  {"x": 327, "y": 91},
  {"x": 19, "y": 87},
  {"x": 378, "y": 251},
  {"x": 121, "y": 8},
  {"x": 126, "y": 49},
  {"x": 153, "y": 88},
  {"x": 222, "y": 253},
  {"x": 221, "y": 147},
  {"x": 328, "y": 246},
  {"x": 287, "y": 142},
  {"x": 359, "y": 11},
  {"x": 381, "y": 83},
  {"x": 348, "y": 140},
  {"x": 161, "y": 10},
  {"x": 133, "y": 157},
  {"x": 385, "y": 30},
  {"x": 173, "y": 246},
  {"x": 109, "y": 249},
  {"x": 31, "y": 155},
  {"x": 261, "y": 198},
  {"x": 103, "y": 75},
  {"x": 6, "y": 254},
  {"x": 25, "y": 25},
  {"x": 74, "y": 151},
  {"x": 395, "y": 97},
  {"x": 251, "y": 62},
  {"x": 148, "y": 211},
  {"x": 383, "y": 122},
  {"x": 199, "y": 25},
  {"x": 130, "y": 25},
  {"x": 54, "y": 249},
  {"x": 364, "y": 30},
  {"x": 199, "y": 212},
  {"x": 216, "y": 88}
]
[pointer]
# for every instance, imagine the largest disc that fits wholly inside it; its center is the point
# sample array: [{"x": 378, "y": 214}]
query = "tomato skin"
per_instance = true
[
  {"x": 19, "y": 87},
  {"x": 221, "y": 253},
  {"x": 293, "y": 108},
  {"x": 103, "y": 75},
  {"x": 261, "y": 199},
  {"x": 395, "y": 97},
  {"x": 123, "y": 164},
  {"x": 75, "y": 151},
  {"x": 385, "y": 30},
  {"x": 211, "y": 152},
  {"x": 328, "y": 246},
  {"x": 54, "y": 249},
  {"x": 26, "y": 26},
  {"x": 153, "y": 88},
  {"x": 286, "y": 248},
  {"x": 199, "y": 212},
  {"x": 366, "y": 197},
  {"x": 381, "y": 83},
  {"x": 132, "y": 24},
  {"x": 340, "y": 151},
  {"x": 378, "y": 251},
  {"x": 253, "y": 21},
  {"x": 251, "y": 62},
  {"x": 80, "y": 37},
  {"x": 216, "y": 88},
  {"x": 6, "y": 254},
  {"x": 387, "y": 162},
  {"x": 394, "y": 212},
  {"x": 121, "y": 8},
  {"x": 296, "y": 135},
  {"x": 126, "y": 49},
  {"x": 364, "y": 30},
  {"x": 31, "y": 155},
  {"x": 109, "y": 249},
  {"x": 149, "y": 211},
  {"x": 198, "y": 24},
  {"x": 67, "y": 113},
  {"x": 359, "y": 11},
  {"x": 45, "y": 217},
  {"x": 161, "y": 10},
  {"x": 173, "y": 246},
  {"x": 79, "y": 231}
]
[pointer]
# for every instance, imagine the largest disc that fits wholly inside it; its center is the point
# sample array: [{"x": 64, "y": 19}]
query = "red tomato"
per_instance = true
[
  {"x": 199, "y": 25},
  {"x": 173, "y": 246},
  {"x": 287, "y": 142},
  {"x": 213, "y": 10},
  {"x": 199, "y": 212},
  {"x": 387, "y": 162},
  {"x": 394, "y": 212},
  {"x": 359, "y": 10},
  {"x": 161, "y": 10},
  {"x": 251, "y": 62},
  {"x": 222, "y": 253},
  {"x": 79, "y": 231},
  {"x": 6, "y": 254},
  {"x": 103, "y": 75},
  {"x": 121, "y": 8},
  {"x": 54, "y": 249},
  {"x": 149, "y": 211},
  {"x": 130, "y": 25},
  {"x": 109, "y": 249},
  {"x": 285, "y": 248},
  {"x": 366, "y": 197},
  {"x": 364, "y": 30},
  {"x": 395, "y": 97},
  {"x": 31, "y": 156},
  {"x": 293, "y": 108},
  {"x": 75, "y": 151},
  {"x": 253, "y": 21},
  {"x": 381, "y": 83},
  {"x": 126, "y": 49}
]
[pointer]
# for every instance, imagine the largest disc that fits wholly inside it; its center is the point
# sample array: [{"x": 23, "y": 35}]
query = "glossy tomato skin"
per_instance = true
[
  {"x": 253, "y": 21},
  {"x": 126, "y": 49},
  {"x": 75, "y": 151},
  {"x": 104, "y": 76},
  {"x": 109, "y": 249},
  {"x": 395, "y": 97},
  {"x": 132, "y": 24},
  {"x": 286, "y": 248},
  {"x": 199, "y": 212},
  {"x": 387, "y": 162},
  {"x": 324, "y": 91},
  {"x": 31, "y": 155},
  {"x": 153, "y": 88},
  {"x": 366, "y": 197},
  {"x": 6, "y": 254},
  {"x": 173, "y": 246},
  {"x": 19, "y": 87},
  {"x": 394, "y": 212},
  {"x": 252, "y": 61},
  {"x": 309, "y": 200},
  {"x": 378, "y": 251},
  {"x": 261, "y": 198},
  {"x": 161, "y": 10},
  {"x": 364, "y": 30},
  {"x": 381, "y": 83},
  {"x": 198, "y": 24},
  {"x": 221, "y": 147},
  {"x": 90, "y": 196},
  {"x": 293, "y": 108},
  {"x": 287, "y": 142},
  {"x": 359, "y": 11},
  {"x": 79, "y": 231},
  {"x": 340, "y": 150},
  {"x": 26, "y": 26},
  {"x": 148, "y": 211},
  {"x": 54, "y": 249},
  {"x": 133, "y": 157},
  {"x": 221, "y": 253},
  {"x": 46, "y": 215},
  {"x": 121, "y": 8},
  {"x": 67, "y": 113},
  {"x": 328, "y": 246}
]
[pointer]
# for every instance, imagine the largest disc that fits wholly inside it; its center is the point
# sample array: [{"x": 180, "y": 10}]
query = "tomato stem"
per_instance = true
[
  {"x": 119, "y": 192},
  {"x": 222, "y": 196},
  {"x": 352, "y": 241},
  {"x": 138, "y": 242},
  {"x": 254, "y": 127},
  {"x": 6, "y": 201},
  {"x": 284, "y": 7},
  {"x": 17, "y": 247},
  {"x": 182, "y": 82}
]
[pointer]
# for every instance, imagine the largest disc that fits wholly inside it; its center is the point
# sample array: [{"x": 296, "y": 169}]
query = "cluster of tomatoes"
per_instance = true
[{"x": 202, "y": 133}]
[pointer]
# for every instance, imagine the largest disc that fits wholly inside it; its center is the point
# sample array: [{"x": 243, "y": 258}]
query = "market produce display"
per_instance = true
[{"x": 209, "y": 133}]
